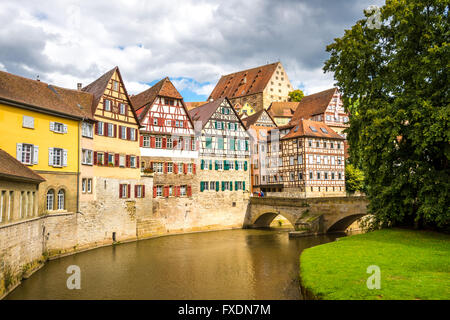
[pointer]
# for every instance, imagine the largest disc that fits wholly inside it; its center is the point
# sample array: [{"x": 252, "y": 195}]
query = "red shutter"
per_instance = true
[
  {"x": 175, "y": 142},
  {"x": 166, "y": 191},
  {"x": 135, "y": 134},
  {"x": 115, "y": 131},
  {"x": 194, "y": 170},
  {"x": 175, "y": 168},
  {"x": 164, "y": 142},
  {"x": 178, "y": 191},
  {"x": 95, "y": 157},
  {"x": 143, "y": 191},
  {"x": 120, "y": 191},
  {"x": 129, "y": 187},
  {"x": 189, "y": 191},
  {"x": 127, "y": 161},
  {"x": 182, "y": 143},
  {"x": 96, "y": 128},
  {"x": 135, "y": 190},
  {"x": 141, "y": 141},
  {"x": 128, "y": 133},
  {"x": 106, "y": 160},
  {"x": 137, "y": 162},
  {"x": 165, "y": 167},
  {"x": 152, "y": 142},
  {"x": 120, "y": 132},
  {"x": 105, "y": 129},
  {"x": 184, "y": 168},
  {"x": 160, "y": 122},
  {"x": 116, "y": 160},
  {"x": 154, "y": 192},
  {"x": 151, "y": 165},
  {"x": 185, "y": 124}
]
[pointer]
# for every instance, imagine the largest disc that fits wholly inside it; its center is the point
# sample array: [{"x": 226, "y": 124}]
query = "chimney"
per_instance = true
[
  {"x": 37, "y": 78},
  {"x": 79, "y": 85}
]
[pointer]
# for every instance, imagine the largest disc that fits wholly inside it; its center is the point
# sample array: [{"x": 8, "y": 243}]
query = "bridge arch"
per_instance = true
[
  {"x": 265, "y": 219},
  {"x": 341, "y": 224}
]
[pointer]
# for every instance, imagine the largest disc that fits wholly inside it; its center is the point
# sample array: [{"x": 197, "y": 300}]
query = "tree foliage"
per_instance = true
[
  {"x": 399, "y": 133},
  {"x": 296, "y": 95},
  {"x": 354, "y": 179}
]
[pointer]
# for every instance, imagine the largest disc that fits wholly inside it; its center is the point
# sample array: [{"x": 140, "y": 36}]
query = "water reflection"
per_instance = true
[{"x": 237, "y": 264}]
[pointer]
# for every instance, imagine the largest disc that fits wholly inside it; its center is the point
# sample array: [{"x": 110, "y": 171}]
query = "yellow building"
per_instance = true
[
  {"x": 246, "y": 110},
  {"x": 39, "y": 124}
]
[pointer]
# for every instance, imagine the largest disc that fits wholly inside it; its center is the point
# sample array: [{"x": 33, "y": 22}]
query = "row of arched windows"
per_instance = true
[{"x": 59, "y": 201}]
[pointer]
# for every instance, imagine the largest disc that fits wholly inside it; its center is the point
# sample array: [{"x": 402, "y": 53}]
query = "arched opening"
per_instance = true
[
  {"x": 342, "y": 224},
  {"x": 61, "y": 199},
  {"x": 272, "y": 220},
  {"x": 50, "y": 199}
]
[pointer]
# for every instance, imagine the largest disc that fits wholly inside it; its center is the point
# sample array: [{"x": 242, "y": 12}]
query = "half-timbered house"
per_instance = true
[
  {"x": 312, "y": 160},
  {"x": 224, "y": 151},
  {"x": 258, "y": 126},
  {"x": 167, "y": 142}
]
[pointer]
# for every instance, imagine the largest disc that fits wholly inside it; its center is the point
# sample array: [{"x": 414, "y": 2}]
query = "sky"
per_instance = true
[{"x": 191, "y": 42}]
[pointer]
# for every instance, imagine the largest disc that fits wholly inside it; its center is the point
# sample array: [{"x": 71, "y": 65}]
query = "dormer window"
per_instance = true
[{"x": 313, "y": 129}]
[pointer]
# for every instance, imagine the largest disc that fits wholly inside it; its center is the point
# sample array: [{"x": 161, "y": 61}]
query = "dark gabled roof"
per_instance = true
[
  {"x": 44, "y": 97},
  {"x": 10, "y": 168},
  {"x": 313, "y": 104},
  {"x": 204, "y": 112},
  {"x": 97, "y": 89},
  {"x": 302, "y": 128},
  {"x": 244, "y": 82},
  {"x": 251, "y": 120}
]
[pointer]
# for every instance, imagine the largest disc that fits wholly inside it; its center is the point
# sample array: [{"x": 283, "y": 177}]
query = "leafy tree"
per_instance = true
[
  {"x": 398, "y": 74},
  {"x": 354, "y": 179},
  {"x": 296, "y": 95}
]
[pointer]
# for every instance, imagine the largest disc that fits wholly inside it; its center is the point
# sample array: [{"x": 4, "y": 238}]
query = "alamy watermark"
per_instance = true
[
  {"x": 374, "y": 281},
  {"x": 374, "y": 19},
  {"x": 74, "y": 280}
]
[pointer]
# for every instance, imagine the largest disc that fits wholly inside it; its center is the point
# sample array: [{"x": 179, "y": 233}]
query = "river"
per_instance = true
[{"x": 233, "y": 264}]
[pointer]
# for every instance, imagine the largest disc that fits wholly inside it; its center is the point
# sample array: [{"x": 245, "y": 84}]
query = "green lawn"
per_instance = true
[{"x": 413, "y": 265}]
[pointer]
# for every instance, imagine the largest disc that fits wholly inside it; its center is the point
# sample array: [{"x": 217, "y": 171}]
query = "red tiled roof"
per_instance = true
[
  {"x": 303, "y": 128},
  {"x": 193, "y": 105},
  {"x": 313, "y": 104},
  {"x": 10, "y": 168},
  {"x": 244, "y": 82},
  {"x": 282, "y": 109},
  {"x": 45, "y": 97}
]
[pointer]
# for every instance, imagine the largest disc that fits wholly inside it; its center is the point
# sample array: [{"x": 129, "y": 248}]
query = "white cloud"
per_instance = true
[{"x": 66, "y": 42}]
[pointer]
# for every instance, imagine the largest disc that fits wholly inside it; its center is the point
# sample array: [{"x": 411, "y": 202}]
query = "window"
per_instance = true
[
  {"x": 139, "y": 191},
  {"x": 339, "y": 176},
  {"x": 110, "y": 130},
  {"x": 291, "y": 161},
  {"x": 187, "y": 143},
  {"x": 182, "y": 190},
  {"x": 328, "y": 117},
  {"x": 87, "y": 130},
  {"x": 331, "y": 145},
  {"x": 158, "y": 143},
  {"x": 132, "y": 134},
  {"x": 325, "y": 159},
  {"x": 310, "y": 143},
  {"x": 57, "y": 127},
  {"x": 311, "y": 159},
  {"x": 159, "y": 191},
  {"x": 115, "y": 85},
  {"x": 146, "y": 141},
  {"x": 89, "y": 185},
  {"x": 159, "y": 167},
  {"x": 240, "y": 165},
  {"x": 317, "y": 144},
  {"x": 155, "y": 121},
  {"x": 27, "y": 153},
  {"x": 123, "y": 132},
  {"x": 86, "y": 156},
  {"x": 169, "y": 167},
  {"x": 124, "y": 191},
  {"x": 50, "y": 199},
  {"x": 300, "y": 159},
  {"x": 107, "y": 105},
  {"x": 169, "y": 144},
  {"x": 219, "y": 125},
  {"x": 332, "y": 160},
  {"x": 310, "y": 175},
  {"x": 338, "y": 145},
  {"x": 57, "y": 157},
  {"x": 324, "y": 144},
  {"x": 318, "y": 175},
  {"x": 122, "y": 160},
  {"x": 28, "y": 122},
  {"x": 190, "y": 168},
  {"x": 2, "y": 200},
  {"x": 122, "y": 108},
  {"x": 110, "y": 159},
  {"x": 324, "y": 130},
  {"x": 61, "y": 194},
  {"x": 100, "y": 158},
  {"x": 83, "y": 185},
  {"x": 133, "y": 161},
  {"x": 319, "y": 158},
  {"x": 325, "y": 175},
  {"x": 291, "y": 176},
  {"x": 332, "y": 176},
  {"x": 100, "y": 126},
  {"x": 313, "y": 129},
  {"x": 193, "y": 146},
  {"x": 239, "y": 185},
  {"x": 338, "y": 160},
  {"x": 220, "y": 143},
  {"x": 219, "y": 165},
  {"x": 300, "y": 176}
]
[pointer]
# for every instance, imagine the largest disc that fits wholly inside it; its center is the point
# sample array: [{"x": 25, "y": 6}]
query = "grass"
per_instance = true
[{"x": 414, "y": 265}]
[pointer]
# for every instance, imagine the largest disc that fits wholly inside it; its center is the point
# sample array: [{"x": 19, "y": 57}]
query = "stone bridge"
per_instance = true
[{"x": 315, "y": 215}]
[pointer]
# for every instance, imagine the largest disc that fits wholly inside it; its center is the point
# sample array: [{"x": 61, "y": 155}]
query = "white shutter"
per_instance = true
[
  {"x": 50, "y": 156},
  {"x": 64, "y": 158},
  {"x": 19, "y": 152},
  {"x": 35, "y": 154},
  {"x": 52, "y": 126},
  {"x": 65, "y": 128}
]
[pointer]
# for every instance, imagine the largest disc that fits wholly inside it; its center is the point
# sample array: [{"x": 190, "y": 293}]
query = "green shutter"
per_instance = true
[
  {"x": 210, "y": 164},
  {"x": 232, "y": 144},
  {"x": 236, "y": 165},
  {"x": 202, "y": 186},
  {"x": 217, "y": 185},
  {"x": 223, "y": 185},
  {"x": 243, "y": 185},
  {"x": 203, "y": 164},
  {"x": 231, "y": 185},
  {"x": 245, "y": 166},
  {"x": 246, "y": 145},
  {"x": 236, "y": 185},
  {"x": 216, "y": 165},
  {"x": 225, "y": 165}
]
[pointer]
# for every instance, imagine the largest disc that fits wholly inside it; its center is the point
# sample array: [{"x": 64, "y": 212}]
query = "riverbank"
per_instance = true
[{"x": 413, "y": 265}]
